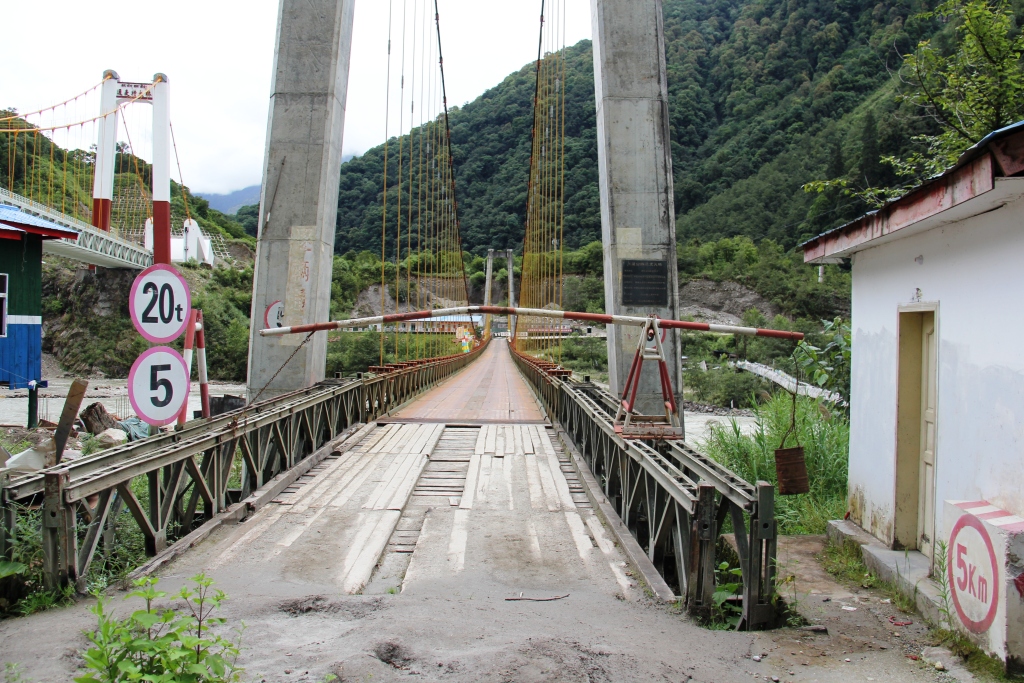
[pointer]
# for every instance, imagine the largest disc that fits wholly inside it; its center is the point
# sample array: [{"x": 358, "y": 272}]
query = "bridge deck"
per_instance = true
[
  {"x": 398, "y": 554},
  {"x": 449, "y": 504},
  {"x": 430, "y": 495},
  {"x": 489, "y": 390}
]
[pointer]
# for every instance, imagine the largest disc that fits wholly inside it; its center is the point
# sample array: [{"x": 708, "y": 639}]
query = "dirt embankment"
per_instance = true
[
  {"x": 721, "y": 302},
  {"x": 85, "y": 319}
]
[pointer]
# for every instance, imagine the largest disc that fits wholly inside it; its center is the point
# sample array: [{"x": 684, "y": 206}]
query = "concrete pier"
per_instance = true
[
  {"x": 635, "y": 170},
  {"x": 299, "y": 201}
]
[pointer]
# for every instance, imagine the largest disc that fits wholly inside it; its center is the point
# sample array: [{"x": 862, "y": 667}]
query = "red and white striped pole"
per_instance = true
[
  {"x": 204, "y": 385},
  {"x": 190, "y": 337},
  {"x": 601, "y": 318},
  {"x": 161, "y": 170},
  {"x": 106, "y": 153}
]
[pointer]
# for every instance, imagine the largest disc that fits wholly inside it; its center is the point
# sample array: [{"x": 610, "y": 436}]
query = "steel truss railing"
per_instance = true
[
  {"x": 673, "y": 499},
  {"x": 188, "y": 470}
]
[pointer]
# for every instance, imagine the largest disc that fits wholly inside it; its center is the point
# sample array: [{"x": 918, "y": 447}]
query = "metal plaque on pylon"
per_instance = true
[{"x": 644, "y": 283}]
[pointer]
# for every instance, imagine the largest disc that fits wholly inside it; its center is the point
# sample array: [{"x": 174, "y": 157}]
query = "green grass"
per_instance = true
[{"x": 825, "y": 435}]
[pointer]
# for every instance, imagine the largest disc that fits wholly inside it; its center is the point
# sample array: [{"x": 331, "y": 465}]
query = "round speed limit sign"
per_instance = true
[
  {"x": 158, "y": 385},
  {"x": 159, "y": 303}
]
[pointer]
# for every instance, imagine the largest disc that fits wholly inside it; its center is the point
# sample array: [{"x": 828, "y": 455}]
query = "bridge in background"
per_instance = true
[{"x": 93, "y": 246}]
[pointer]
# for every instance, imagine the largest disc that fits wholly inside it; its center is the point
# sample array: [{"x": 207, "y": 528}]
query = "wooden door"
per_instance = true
[{"x": 926, "y": 472}]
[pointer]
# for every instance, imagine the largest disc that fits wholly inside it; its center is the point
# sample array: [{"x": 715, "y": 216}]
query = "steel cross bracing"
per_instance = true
[
  {"x": 188, "y": 471},
  {"x": 93, "y": 246},
  {"x": 674, "y": 500}
]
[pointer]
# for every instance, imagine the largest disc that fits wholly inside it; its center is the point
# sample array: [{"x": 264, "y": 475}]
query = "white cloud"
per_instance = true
[{"x": 218, "y": 57}]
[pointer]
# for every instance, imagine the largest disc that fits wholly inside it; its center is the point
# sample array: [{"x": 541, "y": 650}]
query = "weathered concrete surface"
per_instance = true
[
  {"x": 635, "y": 171},
  {"x": 488, "y": 285},
  {"x": 299, "y": 201}
]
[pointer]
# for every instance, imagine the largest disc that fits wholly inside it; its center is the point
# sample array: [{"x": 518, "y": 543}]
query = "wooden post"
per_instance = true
[
  {"x": 60, "y": 542},
  {"x": 73, "y": 402}
]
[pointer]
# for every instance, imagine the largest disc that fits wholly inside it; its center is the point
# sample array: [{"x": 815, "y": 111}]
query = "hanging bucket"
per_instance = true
[{"x": 791, "y": 470}]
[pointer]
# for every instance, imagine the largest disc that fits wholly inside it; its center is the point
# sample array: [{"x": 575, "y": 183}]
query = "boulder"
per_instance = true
[
  {"x": 96, "y": 419},
  {"x": 114, "y": 436}
]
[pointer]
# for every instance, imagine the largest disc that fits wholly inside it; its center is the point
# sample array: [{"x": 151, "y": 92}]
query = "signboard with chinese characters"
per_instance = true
[{"x": 644, "y": 283}]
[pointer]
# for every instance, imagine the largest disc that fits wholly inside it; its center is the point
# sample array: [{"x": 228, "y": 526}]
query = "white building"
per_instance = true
[{"x": 937, "y": 394}]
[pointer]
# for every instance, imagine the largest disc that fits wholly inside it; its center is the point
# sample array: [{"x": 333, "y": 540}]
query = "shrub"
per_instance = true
[
  {"x": 154, "y": 644},
  {"x": 825, "y": 436}
]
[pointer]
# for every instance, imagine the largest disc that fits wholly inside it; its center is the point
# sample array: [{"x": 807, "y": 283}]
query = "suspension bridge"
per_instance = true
[{"x": 456, "y": 455}]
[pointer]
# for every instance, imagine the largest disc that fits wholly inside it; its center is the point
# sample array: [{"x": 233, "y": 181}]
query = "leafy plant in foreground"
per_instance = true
[
  {"x": 163, "y": 644},
  {"x": 729, "y": 585}
]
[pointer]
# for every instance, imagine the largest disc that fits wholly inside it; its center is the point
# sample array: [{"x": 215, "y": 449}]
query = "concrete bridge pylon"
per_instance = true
[
  {"x": 299, "y": 200},
  {"x": 635, "y": 170}
]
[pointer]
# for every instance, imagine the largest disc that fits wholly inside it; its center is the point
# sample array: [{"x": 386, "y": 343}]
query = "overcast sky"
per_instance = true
[{"x": 217, "y": 55}]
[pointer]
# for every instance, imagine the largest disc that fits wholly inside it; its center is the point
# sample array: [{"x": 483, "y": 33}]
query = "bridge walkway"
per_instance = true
[{"x": 447, "y": 485}]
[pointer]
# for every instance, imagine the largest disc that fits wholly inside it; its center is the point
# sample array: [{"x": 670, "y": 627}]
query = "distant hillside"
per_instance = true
[
  {"x": 765, "y": 95},
  {"x": 233, "y": 201}
]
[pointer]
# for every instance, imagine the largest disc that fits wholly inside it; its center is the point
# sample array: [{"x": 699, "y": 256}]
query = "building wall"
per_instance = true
[
  {"x": 20, "y": 351},
  {"x": 973, "y": 271}
]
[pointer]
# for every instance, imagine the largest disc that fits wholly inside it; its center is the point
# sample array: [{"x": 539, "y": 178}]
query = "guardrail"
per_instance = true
[
  {"x": 674, "y": 500},
  {"x": 188, "y": 471}
]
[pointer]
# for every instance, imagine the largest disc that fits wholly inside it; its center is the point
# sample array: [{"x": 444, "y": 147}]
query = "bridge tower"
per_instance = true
[
  {"x": 114, "y": 92},
  {"x": 299, "y": 200},
  {"x": 487, "y": 291},
  {"x": 635, "y": 171}
]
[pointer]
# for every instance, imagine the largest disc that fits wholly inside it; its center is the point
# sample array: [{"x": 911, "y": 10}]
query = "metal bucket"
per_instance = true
[{"x": 791, "y": 470}]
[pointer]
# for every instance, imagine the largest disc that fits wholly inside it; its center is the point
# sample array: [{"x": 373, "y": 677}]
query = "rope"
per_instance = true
[
  {"x": 54, "y": 106},
  {"x": 181, "y": 178},
  {"x": 104, "y": 115},
  {"x": 384, "y": 210},
  {"x": 540, "y": 283}
]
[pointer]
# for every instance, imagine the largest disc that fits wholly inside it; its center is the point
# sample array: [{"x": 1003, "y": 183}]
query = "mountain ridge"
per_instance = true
[{"x": 764, "y": 96}]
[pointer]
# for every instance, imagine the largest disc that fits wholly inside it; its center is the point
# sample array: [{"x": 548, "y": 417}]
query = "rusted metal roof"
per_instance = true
[{"x": 999, "y": 155}]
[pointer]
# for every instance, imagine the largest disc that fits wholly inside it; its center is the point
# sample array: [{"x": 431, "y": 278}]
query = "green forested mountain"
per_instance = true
[{"x": 765, "y": 95}]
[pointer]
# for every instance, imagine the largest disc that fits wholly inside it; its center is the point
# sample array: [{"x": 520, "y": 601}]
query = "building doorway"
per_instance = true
[{"x": 915, "y": 431}]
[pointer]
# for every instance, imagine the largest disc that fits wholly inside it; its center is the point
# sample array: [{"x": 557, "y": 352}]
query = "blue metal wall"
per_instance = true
[{"x": 21, "y": 355}]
